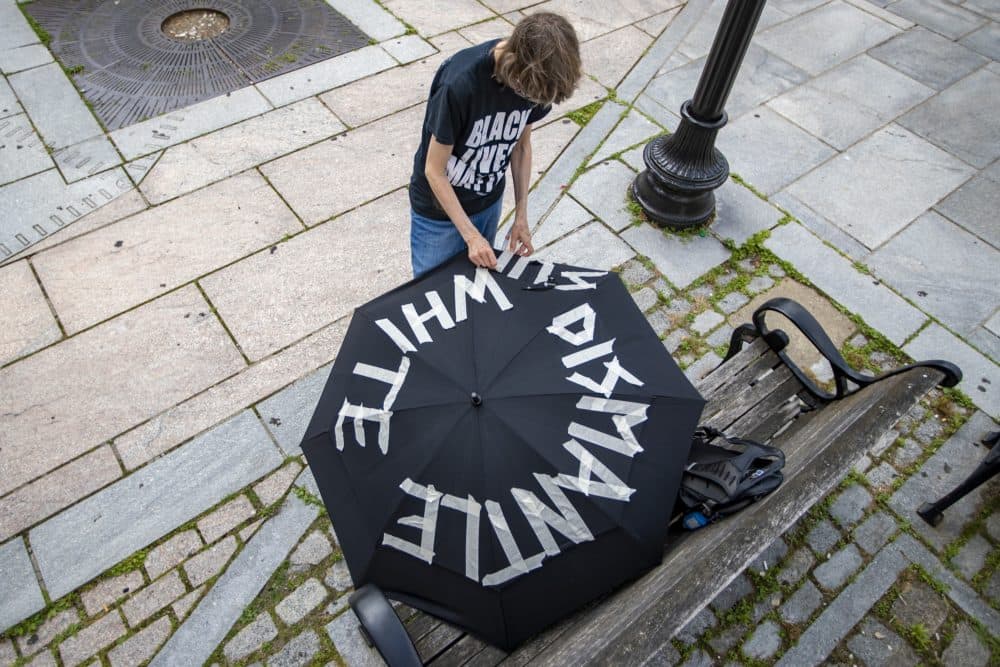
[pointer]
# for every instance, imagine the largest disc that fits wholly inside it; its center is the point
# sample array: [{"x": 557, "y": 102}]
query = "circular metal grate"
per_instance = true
[{"x": 131, "y": 70}]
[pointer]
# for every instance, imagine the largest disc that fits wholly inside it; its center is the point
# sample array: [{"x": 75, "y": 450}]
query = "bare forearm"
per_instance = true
[
  {"x": 446, "y": 196},
  {"x": 520, "y": 171}
]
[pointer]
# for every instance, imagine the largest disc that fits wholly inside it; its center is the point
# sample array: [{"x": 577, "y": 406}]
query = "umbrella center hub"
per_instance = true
[{"x": 477, "y": 400}]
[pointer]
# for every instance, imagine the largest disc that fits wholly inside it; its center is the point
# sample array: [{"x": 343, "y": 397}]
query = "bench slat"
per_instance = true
[
  {"x": 738, "y": 403},
  {"x": 739, "y": 382},
  {"x": 633, "y": 623},
  {"x": 460, "y": 652},
  {"x": 750, "y": 353},
  {"x": 761, "y": 422},
  {"x": 437, "y": 640}
]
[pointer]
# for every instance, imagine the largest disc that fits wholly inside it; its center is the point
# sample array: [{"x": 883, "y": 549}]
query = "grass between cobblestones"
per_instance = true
[{"x": 866, "y": 350}]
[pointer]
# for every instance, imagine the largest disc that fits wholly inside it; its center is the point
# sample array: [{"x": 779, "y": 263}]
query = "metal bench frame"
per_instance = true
[{"x": 756, "y": 393}]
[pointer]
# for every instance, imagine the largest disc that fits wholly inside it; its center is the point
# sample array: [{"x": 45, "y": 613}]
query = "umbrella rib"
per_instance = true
[
  {"x": 426, "y": 364},
  {"x": 514, "y": 356}
]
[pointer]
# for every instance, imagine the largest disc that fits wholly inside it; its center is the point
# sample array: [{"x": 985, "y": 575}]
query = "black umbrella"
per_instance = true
[{"x": 499, "y": 448}]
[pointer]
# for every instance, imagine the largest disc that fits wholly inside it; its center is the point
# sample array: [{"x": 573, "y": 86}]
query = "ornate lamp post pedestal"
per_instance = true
[{"x": 683, "y": 169}]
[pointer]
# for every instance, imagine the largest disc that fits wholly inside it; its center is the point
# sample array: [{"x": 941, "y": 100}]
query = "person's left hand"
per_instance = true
[{"x": 520, "y": 238}]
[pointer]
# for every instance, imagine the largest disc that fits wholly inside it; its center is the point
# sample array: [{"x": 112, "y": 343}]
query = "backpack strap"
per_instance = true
[{"x": 714, "y": 475}]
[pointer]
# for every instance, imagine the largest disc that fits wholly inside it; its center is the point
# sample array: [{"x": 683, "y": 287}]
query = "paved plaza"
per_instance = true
[{"x": 173, "y": 292}]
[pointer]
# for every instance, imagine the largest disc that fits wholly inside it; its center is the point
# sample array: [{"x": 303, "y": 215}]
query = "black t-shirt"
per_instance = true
[{"x": 482, "y": 121}]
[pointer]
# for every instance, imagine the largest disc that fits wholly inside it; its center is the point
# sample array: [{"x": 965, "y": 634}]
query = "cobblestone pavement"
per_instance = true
[{"x": 168, "y": 319}]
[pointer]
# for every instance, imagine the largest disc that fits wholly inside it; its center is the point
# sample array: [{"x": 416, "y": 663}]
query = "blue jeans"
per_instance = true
[{"x": 432, "y": 242}]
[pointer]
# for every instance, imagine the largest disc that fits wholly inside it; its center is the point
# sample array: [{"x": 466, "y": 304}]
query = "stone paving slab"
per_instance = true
[
  {"x": 14, "y": 29},
  {"x": 214, "y": 156},
  {"x": 656, "y": 24},
  {"x": 850, "y": 189},
  {"x": 942, "y": 17},
  {"x": 112, "y": 269},
  {"x": 23, "y": 57},
  {"x": 208, "y": 624},
  {"x": 763, "y": 75},
  {"x": 178, "y": 126},
  {"x": 286, "y": 414},
  {"x": 140, "y": 647},
  {"x": 92, "y": 639},
  {"x": 86, "y": 158},
  {"x": 928, "y": 57},
  {"x": 55, "y": 107},
  {"x": 122, "y": 206},
  {"x": 662, "y": 49},
  {"x": 566, "y": 216},
  {"x": 28, "y": 322},
  {"x": 680, "y": 259},
  {"x": 224, "y": 399},
  {"x": 429, "y": 20},
  {"x": 820, "y": 226},
  {"x": 634, "y": 129},
  {"x": 592, "y": 246},
  {"x": 347, "y": 639},
  {"x": 939, "y": 266},
  {"x": 951, "y": 464},
  {"x": 770, "y": 152},
  {"x": 21, "y": 152},
  {"x": 592, "y": 18},
  {"x": 609, "y": 57},
  {"x": 86, "y": 539},
  {"x": 826, "y": 36},
  {"x": 408, "y": 48},
  {"x": 324, "y": 75},
  {"x": 604, "y": 191},
  {"x": 739, "y": 213},
  {"x": 986, "y": 41},
  {"x": 304, "y": 178},
  {"x": 477, "y": 33},
  {"x": 56, "y": 490},
  {"x": 370, "y": 17},
  {"x": 699, "y": 40},
  {"x": 365, "y": 100},
  {"x": 9, "y": 105},
  {"x": 835, "y": 275},
  {"x": 974, "y": 205},
  {"x": 154, "y": 355},
  {"x": 43, "y": 204},
  {"x": 18, "y": 588},
  {"x": 959, "y": 119},
  {"x": 981, "y": 375},
  {"x": 551, "y": 186},
  {"x": 850, "y": 101},
  {"x": 366, "y": 252}
]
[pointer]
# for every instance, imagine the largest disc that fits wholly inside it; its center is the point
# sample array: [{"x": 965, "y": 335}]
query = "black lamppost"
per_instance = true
[{"x": 684, "y": 168}]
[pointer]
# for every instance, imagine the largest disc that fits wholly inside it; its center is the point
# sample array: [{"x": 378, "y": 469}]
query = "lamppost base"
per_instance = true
[
  {"x": 682, "y": 172},
  {"x": 675, "y": 209}
]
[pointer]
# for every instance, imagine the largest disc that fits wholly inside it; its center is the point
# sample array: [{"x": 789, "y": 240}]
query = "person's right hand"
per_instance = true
[{"x": 481, "y": 252}]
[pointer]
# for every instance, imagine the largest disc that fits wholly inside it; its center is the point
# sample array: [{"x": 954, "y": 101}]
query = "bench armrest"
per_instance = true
[
  {"x": 803, "y": 320},
  {"x": 380, "y": 626}
]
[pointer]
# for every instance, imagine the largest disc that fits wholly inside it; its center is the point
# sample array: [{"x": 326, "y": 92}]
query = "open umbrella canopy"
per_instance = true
[{"x": 499, "y": 448}]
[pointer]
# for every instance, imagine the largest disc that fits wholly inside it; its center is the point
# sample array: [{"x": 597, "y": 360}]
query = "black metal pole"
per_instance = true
[{"x": 684, "y": 168}]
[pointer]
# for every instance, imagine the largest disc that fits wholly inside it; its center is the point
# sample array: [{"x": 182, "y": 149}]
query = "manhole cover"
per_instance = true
[{"x": 135, "y": 60}]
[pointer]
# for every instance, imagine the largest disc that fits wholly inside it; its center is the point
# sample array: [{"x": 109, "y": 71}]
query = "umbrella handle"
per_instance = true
[{"x": 380, "y": 626}]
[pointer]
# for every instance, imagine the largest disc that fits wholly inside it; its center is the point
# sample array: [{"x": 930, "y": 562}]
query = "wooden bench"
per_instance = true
[{"x": 754, "y": 394}]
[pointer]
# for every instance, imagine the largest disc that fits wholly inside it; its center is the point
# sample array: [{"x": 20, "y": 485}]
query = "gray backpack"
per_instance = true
[{"x": 724, "y": 475}]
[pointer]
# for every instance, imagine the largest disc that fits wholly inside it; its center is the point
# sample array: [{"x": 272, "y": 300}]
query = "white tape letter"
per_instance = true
[{"x": 426, "y": 524}]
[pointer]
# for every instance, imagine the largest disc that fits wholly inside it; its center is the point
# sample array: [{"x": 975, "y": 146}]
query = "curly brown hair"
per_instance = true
[{"x": 541, "y": 59}]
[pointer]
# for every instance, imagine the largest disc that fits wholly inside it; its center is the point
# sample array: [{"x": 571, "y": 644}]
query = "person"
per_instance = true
[{"x": 483, "y": 101}]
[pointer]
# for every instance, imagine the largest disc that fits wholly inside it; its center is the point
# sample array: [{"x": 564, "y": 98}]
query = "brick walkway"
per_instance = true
[{"x": 166, "y": 336}]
